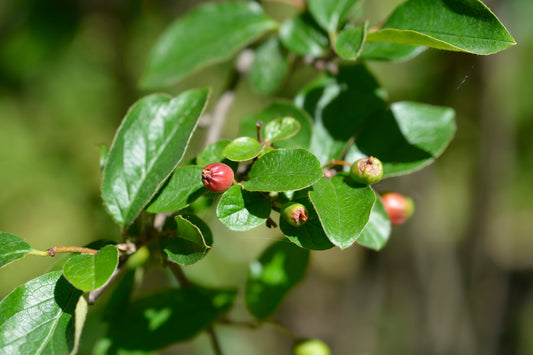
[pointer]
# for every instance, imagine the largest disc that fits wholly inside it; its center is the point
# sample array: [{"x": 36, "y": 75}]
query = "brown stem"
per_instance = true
[
  {"x": 334, "y": 162},
  {"x": 259, "y": 126},
  {"x": 54, "y": 250}
]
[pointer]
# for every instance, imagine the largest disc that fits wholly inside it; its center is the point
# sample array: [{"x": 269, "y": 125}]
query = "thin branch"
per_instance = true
[
  {"x": 56, "y": 250},
  {"x": 214, "y": 341}
]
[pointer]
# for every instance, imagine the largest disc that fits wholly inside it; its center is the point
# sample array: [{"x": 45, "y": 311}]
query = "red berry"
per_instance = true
[
  {"x": 217, "y": 177},
  {"x": 398, "y": 207}
]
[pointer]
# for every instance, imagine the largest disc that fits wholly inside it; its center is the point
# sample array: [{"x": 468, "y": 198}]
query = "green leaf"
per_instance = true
[
  {"x": 284, "y": 170},
  {"x": 275, "y": 111},
  {"x": 210, "y": 34},
  {"x": 387, "y": 51},
  {"x": 80, "y": 316},
  {"x": 183, "y": 188},
  {"x": 350, "y": 42},
  {"x": 213, "y": 153},
  {"x": 242, "y": 149},
  {"x": 343, "y": 208},
  {"x": 279, "y": 268},
  {"x": 149, "y": 144},
  {"x": 281, "y": 129},
  {"x": 38, "y": 317},
  {"x": 191, "y": 242},
  {"x": 377, "y": 231},
  {"x": 241, "y": 210},
  {"x": 340, "y": 106},
  {"x": 302, "y": 36},
  {"x": 406, "y": 138},
  {"x": 311, "y": 234},
  {"x": 12, "y": 248},
  {"x": 269, "y": 67},
  {"x": 173, "y": 315},
  {"x": 329, "y": 13},
  {"x": 90, "y": 272},
  {"x": 455, "y": 25}
]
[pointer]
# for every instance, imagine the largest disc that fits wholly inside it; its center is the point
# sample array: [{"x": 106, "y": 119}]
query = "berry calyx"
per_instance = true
[
  {"x": 399, "y": 207},
  {"x": 294, "y": 213},
  {"x": 217, "y": 177},
  {"x": 367, "y": 171},
  {"x": 311, "y": 347}
]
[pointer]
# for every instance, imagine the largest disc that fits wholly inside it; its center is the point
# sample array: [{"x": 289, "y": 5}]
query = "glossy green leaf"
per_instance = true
[
  {"x": 241, "y": 210},
  {"x": 213, "y": 153},
  {"x": 90, "y": 272},
  {"x": 387, "y": 51},
  {"x": 149, "y": 144},
  {"x": 182, "y": 188},
  {"x": 406, "y": 138},
  {"x": 377, "y": 231},
  {"x": 12, "y": 248},
  {"x": 38, "y": 317},
  {"x": 343, "y": 208},
  {"x": 169, "y": 316},
  {"x": 190, "y": 243},
  {"x": 340, "y": 107},
  {"x": 242, "y": 149},
  {"x": 350, "y": 42},
  {"x": 281, "y": 129},
  {"x": 311, "y": 234},
  {"x": 302, "y": 36},
  {"x": 456, "y": 25},
  {"x": 284, "y": 170},
  {"x": 280, "y": 109},
  {"x": 212, "y": 33},
  {"x": 279, "y": 268},
  {"x": 80, "y": 316},
  {"x": 329, "y": 13},
  {"x": 269, "y": 67}
]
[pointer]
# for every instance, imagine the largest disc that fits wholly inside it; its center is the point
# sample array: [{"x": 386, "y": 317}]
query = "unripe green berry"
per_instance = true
[
  {"x": 311, "y": 347},
  {"x": 399, "y": 207},
  {"x": 217, "y": 177},
  {"x": 367, "y": 171},
  {"x": 294, "y": 213}
]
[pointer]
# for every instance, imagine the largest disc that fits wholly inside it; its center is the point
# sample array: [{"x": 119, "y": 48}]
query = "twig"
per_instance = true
[
  {"x": 55, "y": 250},
  {"x": 214, "y": 341}
]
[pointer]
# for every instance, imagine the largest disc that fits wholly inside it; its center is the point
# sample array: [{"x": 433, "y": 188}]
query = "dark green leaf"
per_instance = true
[
  {"x": 147, "y": 147},
  {"x": 184, "y": 187},
  {"x": 281, "y": 129},
  {"x": 170, "y": 316},
  {"x": 190, "y": 244},
  {"x": 212, "y": 33},
  {"x": 242, "y": 149},
  {"x": 406, "y": 138},
  {"x": 275, "y": 111},
  {"x": 241, "y": 210},
  {"x": 269, "y": 67},
  {"x": 12, "y": 248},
  {"x": 90, "y": 272},
  {"x": 302, "y": 36},
  {"x": 284, "y": 170},
  {"x": 377, "y": 231},
  {"x": 38, "y": 317},
  {"x": 120, "y": 297},
  {"x": 456, "y": 25},
  {"x": 329, "y": 13},
  {"x": 310, "y": 235},
  {"x": 279, "y": 268},
  {"x": 350, "y": 42},
  {"x": 387, "y": 51},
  {"x": 343, "y": 208},
  {"x": 340, "y": 106}
]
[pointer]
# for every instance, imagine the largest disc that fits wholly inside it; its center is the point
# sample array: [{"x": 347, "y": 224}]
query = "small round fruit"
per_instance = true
[
  {"x": 311, "y": 347},
  {"x": 217, "y": 177},
  {"x": 367, "y": 171},
  {"x": 398, "y": 207},
  {"x": 294, "y": 213}
]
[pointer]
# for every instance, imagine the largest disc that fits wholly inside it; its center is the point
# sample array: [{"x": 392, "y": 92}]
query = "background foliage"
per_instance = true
[{"x": 455, "y": 280}]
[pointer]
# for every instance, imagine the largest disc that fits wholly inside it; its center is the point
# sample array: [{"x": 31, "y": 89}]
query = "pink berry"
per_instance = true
[{"x": 217, "y": 177}]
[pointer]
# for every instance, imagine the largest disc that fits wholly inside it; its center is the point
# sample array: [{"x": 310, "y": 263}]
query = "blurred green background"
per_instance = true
[{"x": 457, "y": 279}]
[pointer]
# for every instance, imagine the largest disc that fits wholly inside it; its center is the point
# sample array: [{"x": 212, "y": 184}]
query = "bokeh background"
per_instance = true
[{"x": 456, "y": 280}]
